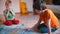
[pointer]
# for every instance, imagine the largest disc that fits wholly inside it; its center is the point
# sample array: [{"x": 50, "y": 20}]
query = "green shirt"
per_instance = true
[{"x": 10, "y": 15}]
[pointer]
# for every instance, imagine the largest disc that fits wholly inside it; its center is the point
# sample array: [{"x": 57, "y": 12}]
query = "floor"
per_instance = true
[
  {"x": 26, "y": 22},
  {"x": 31, "y": 20}
]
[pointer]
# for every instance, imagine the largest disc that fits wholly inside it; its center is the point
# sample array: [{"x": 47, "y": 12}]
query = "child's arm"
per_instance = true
[
  {"x": 36, "y": 25},
  {"x": 13, "y": 13},
  {"x": 49, "y": 26},
  {"x": 7, "y": 14}
]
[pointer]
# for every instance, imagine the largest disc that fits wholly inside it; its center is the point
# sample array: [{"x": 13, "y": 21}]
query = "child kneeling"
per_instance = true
[
  {"x": 50, "y": 21},
  {"x": 9, "y": 14}
]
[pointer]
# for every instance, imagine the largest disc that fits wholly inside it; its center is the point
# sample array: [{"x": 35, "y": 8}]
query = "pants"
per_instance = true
[
  {"x": 10, "y": 22},
  {"x": 43, "y": 29}
]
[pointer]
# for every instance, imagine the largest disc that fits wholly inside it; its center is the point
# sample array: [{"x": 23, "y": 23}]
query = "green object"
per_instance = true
[{"x": 10, "y": 15}]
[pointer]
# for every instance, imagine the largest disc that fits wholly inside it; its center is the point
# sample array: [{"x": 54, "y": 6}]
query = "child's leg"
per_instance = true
[
  {"x": 8, "y": 22},
  {"x": 43, "y": 29},
  {"x": 15, "y": 21}
]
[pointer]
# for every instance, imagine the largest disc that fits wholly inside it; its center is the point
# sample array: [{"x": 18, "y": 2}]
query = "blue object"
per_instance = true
[
  {"x": 44, "y": 29},
  {"x": 26, "y": 32},
  {"x": 30, "y": 30},
  {"x": 1, "y": 29}
]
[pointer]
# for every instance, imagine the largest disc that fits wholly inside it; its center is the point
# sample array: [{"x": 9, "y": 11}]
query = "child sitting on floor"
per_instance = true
[
  {"x": 9, "y": 14},
  {"x": 50, "y": 20}
]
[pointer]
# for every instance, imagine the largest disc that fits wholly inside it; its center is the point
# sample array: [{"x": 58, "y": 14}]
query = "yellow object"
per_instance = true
[{"x": 23, "y": 9}]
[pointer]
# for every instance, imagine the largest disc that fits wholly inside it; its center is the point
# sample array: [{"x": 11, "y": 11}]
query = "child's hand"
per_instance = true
[
  {"x": 7, "y": 14},
  {"x": 13, "y": 13}
]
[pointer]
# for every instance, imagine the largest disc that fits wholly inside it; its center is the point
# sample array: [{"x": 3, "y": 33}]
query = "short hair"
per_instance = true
[
  {"x": 38, "y": 4},
  {"x": 42, "y": 7}
]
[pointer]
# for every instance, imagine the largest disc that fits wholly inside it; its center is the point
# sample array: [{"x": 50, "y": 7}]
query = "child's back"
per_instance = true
[{"x": 49, "y": 14}]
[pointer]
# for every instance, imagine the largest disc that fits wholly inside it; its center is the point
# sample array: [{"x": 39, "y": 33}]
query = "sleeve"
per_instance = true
[{"x": 47, "y": 14}]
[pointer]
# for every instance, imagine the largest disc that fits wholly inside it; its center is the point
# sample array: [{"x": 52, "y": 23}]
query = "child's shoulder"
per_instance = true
[
  {"x": 6, "y": 10},
  {"x": 48, "y": 10}
]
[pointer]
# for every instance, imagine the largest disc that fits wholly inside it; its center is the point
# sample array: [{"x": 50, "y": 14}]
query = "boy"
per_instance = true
[
  {"x": 50, "y": 21},
  {"x": 36, "y": 5},
  {"x": 9, "y": 14}
]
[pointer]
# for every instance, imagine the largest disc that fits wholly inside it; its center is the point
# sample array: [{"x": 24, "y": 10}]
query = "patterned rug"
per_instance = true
[{"x": 17, "y": 30}]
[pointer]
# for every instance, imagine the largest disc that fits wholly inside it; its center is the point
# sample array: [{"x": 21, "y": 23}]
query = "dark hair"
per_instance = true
[
  {"x": 42, "y": 7},
  {"x": 38, "y": 4}
]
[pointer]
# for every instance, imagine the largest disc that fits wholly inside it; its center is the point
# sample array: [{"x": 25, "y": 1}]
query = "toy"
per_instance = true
[{"x": 23, "y": 9}]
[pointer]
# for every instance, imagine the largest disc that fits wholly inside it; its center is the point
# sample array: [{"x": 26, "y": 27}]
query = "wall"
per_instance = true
[
  {"x": 15, "y": 5},
  {"x": 29, "y": 4},
  {"x": 2, "y": 6},
  {"x": 49, "y": 2}
]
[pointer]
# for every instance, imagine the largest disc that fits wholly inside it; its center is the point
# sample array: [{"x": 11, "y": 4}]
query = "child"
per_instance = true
[
  {"x": 50, "y": 21},
  {"x": 9, "y": 14},
  {"x": 36, "y": 5}
]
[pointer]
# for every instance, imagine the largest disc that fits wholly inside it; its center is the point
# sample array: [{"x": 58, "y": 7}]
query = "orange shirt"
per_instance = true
[{"x": 48, "y": 14}]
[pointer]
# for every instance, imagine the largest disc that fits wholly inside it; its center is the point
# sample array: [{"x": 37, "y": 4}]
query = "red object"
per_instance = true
[
  {"x": 15, "y": 21},
  {"x": 8, "y": 22}
]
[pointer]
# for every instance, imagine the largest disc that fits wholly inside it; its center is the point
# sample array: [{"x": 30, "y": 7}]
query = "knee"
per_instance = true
[{"x": 43, "y": 30}]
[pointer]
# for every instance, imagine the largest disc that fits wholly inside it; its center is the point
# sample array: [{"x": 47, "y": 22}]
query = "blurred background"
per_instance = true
[{"x": 29, "y": 20}]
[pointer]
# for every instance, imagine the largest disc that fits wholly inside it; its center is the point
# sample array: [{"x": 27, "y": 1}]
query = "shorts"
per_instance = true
[{"x": 44, "y": 29}]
